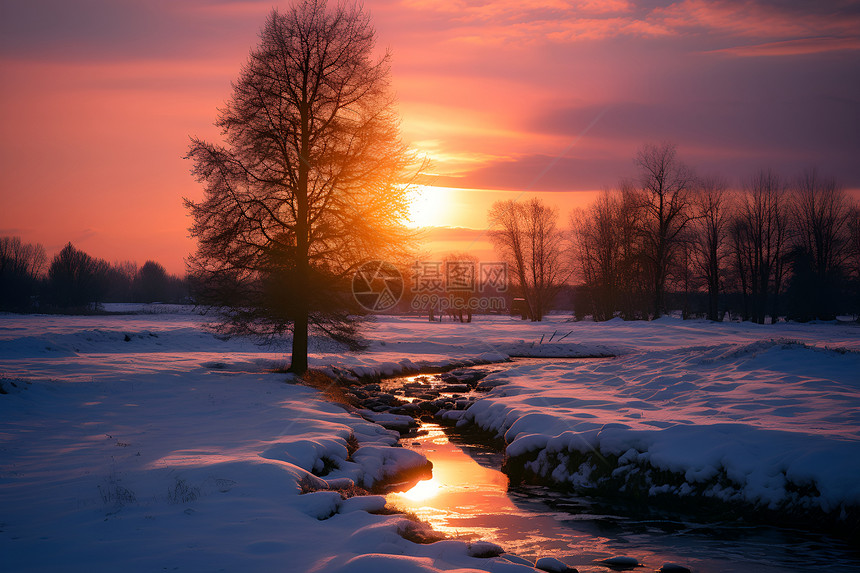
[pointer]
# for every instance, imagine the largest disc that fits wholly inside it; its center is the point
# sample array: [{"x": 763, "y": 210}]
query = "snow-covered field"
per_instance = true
[
  {"x": 142, "y": 442},
  {"x": 768, "y": 424}
]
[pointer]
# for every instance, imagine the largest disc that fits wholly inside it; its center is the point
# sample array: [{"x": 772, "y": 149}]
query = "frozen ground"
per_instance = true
[
  {"x": 767, "y": 424},
  {"x": 144, "y": 443}
]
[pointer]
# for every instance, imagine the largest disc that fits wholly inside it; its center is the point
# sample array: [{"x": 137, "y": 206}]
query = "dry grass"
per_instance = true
[
  {"x": 327, "y": 386},
  {"x": 309, "y": 485}
]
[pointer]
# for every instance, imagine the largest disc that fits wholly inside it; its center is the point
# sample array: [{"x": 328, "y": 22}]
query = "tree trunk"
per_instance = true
[
  {"x": 299, "y": 364},
  {"x": 713, "y": 303},
  {"x": 300, "y": 323},
  {"x": 658, "y": 295}
]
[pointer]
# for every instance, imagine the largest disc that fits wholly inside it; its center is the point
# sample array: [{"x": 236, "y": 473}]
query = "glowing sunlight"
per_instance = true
[
  {"x": 430, "y": 206},
  {"x": 423, "y": 490}
]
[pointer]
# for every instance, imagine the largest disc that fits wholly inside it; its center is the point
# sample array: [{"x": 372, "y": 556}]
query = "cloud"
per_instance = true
[
  {"x": 516, "y": 10},
  {"x": 762, "y": 19},
  {"x": 15, "y": 231},
  {"x": 524, "y": 174},
  {"x": 503, "y": 21},
  {"x": 453, "y": 234},
  {"x": 800, "y": 47},
  {"x": 792, "y": 124},
  {"x": 717, "y": 126},
  {"x": 106, "y": 30}
]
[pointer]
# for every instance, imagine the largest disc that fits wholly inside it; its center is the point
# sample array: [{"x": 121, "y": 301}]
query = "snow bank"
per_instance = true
[
  {"x": 384, "y": 464},
  {"x": 143, "y": 443},
  {"x": 770, "y": 424},
  {"x": 554, "y": 350}
]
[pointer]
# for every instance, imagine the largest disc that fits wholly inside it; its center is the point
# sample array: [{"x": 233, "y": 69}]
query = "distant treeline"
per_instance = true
[
  {"x": 76, "y": 282},
  {"x": 670, "y": 239},
  {"x": 664, "y": 241}
]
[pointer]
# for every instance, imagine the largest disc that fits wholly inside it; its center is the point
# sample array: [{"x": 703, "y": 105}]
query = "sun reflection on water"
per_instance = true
[
  {"x": 460, "y": 493},
  {"x": 423, "y": 490},
  {"x": 465, "y": 500}
]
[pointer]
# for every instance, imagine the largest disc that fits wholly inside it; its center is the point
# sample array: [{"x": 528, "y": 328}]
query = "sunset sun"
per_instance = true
[
  {"x": 430, "y": 206},
  {"x": 423, "y": 490}
]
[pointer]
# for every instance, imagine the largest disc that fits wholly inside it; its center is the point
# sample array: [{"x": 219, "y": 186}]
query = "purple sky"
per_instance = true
[{"x": 99, "y": 98}]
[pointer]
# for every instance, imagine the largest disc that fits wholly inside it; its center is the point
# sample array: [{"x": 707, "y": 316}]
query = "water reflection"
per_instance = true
[
  {"x": 469, "y": 501},
  {"x": 460, "y": 492}
]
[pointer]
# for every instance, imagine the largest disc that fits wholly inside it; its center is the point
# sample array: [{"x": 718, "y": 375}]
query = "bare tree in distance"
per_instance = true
[
  {"x": 461, "y": 284},
  {"x": 712, "y": 216},
  {"x": 682, "y": 275},
  {"x": 600, "y": 252},
  {"x": 607, "y": 245},
  {"x": 120, "y": 281},
  {"x": 526, "y": 236},
  {"x": 820, "y": 212},
  {"x": 663, "y": 191},
  {"x": 759, "y": 236},
  {"x": 152, "y": 283},
  {"x": 21, "y": 265},
  {"x": 510, "y": 242},
  {"x": 311, "y": 181},
  {"x": 76, "y": 280},
  {"x": 596, "y": 254},
  {"x": 853, "y": 263}
]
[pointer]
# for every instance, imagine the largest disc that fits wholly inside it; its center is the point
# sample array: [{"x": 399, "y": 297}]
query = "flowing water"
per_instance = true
[{"x": 469, "y": 498}]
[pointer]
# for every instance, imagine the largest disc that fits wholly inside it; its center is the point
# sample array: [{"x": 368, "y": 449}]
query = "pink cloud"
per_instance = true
[
  {"x": 752, "y": 19},
  {"x": 505, "y": 21},
  {"x": 792, "y": 47}
]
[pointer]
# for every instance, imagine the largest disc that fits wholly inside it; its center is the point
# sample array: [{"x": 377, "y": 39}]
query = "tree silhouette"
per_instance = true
[
  {"x": 21, "y": 265},
  {"x": 152, "y": 283},
  {"x": 599, "y": 250},
  {"x": 663, "y": 190},
  {"x": 309, "y": 183},
  {"x": 76, "y": 280},
  {"x": 526, "y": 235},
  {"x": 759, "y": 239},
  {"x": 852, "y": 266},
  {"x": 820, "y": 212},
  {"x": 461, "y": 283},
  {"x": 712, "y": 210}
]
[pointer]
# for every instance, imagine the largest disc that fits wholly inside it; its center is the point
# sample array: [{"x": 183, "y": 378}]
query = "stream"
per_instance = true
[{"x": 469, "y": 498}]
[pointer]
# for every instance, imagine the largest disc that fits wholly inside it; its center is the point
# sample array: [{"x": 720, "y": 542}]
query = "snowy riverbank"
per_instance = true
[
  {"x": 762, "y": 426},
  {"x": 143, "y": 442}
]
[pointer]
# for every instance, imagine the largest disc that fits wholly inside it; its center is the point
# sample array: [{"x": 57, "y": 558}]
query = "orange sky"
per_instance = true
[{"x": 98, "y": 98}]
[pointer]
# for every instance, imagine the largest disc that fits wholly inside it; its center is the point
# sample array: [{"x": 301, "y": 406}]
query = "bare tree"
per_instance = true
[
  {"x": 310, "y": 181},
  {"x": 711, "y": 214},
  {"x": 152, "y": 283},
  {"x": 21, "y": 265},
  {"x": 527, "y": 237},
  {"x": 820, "y": 212},
  {"x": 682, "y": 273},
  {"x": 759, "y": 236},
  {"x": 601, "y": 250},
  {"x": 461, "y": 284},
  {"x": 853, "y": 262},
  {"x": 76, "y": 280},
  {"x": 607, "y": 247},
  {"x": 121, "y": 281},
  {"x": 596, "y": 254},
  {"x": 663, "y": 191}
]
